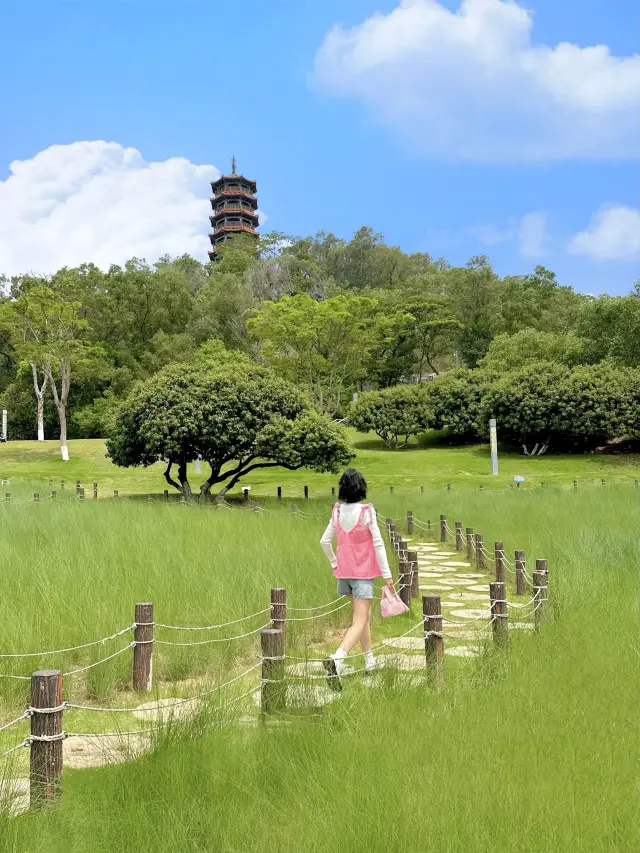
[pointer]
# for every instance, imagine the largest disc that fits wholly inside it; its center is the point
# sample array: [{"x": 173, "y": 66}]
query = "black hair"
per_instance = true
[{"x": 352, "y": 487}]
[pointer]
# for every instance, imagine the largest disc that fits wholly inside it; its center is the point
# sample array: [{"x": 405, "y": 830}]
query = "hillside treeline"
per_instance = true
[{"x": 332, "y": 316}]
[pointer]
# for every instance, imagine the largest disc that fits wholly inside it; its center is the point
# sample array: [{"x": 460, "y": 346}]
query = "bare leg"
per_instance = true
[
  {"x": 365, "y": 636},
  {"x": 360, "y": 623}
]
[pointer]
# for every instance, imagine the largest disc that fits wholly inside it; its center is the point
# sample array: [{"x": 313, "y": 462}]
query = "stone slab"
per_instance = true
[
  {"x": 462, "y": 651},
  {"x": 470, "y": 613}
]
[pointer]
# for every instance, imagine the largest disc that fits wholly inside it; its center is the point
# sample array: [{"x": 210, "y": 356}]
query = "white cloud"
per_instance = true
[
  {"x": 532, "y": 235},
  {"x": 472, "y": 85},
  {"x": 612, "y": 235},
  {"x": 101, "y": 202}
]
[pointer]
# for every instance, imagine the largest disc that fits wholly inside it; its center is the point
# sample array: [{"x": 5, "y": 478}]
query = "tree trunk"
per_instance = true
[
  {"x": 39, "y": 389},
  {"x": 60, "y": 401}
]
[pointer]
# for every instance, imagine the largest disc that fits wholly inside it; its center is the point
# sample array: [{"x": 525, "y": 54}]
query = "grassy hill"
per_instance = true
[{"x": 428, "y": 465}]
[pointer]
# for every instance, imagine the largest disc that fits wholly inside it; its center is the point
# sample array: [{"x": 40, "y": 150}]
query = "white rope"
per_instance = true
[
  {"x": 212, "y": 627},
  {"x": 14, "y": 748},
  {"x": 317, "y": 615},
  {"x": 44, "y": 738},
  {"x": 98, "y": 662},
  {"x": 31, "y": 710},
  {"x": 319, "y": 607},
  {"x": 214, "y": 640},
  {"x": 17, "y": 677},
  {"x": 170, "y": 705},
  {"x": 71, "y": 648},
  {"x": 114, "y": 734},
  {"x": 19, "y": 719}
]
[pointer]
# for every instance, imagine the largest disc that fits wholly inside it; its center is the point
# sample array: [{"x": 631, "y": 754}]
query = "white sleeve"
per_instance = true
[
  {"x": 378, "y": 544},
  {"x": 325, "y": 543}
]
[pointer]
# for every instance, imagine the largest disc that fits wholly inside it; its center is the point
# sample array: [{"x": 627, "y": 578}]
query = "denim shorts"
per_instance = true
[{"x": 357, "y": 587}]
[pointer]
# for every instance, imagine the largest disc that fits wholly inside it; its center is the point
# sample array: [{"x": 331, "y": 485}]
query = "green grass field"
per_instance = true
[
  {"x": 429, "y": 464},
  {"x": 536, "y": 750}
]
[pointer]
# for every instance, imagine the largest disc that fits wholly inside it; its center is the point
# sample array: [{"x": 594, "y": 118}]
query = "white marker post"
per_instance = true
[
  {"x": 493, "y": 437},
  {"x": 197, "y": 464},
  {"x": 4, "y": 424}
]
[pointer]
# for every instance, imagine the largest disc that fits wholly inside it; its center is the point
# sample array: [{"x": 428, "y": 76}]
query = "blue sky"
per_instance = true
[{"x": 457, "y": 134}]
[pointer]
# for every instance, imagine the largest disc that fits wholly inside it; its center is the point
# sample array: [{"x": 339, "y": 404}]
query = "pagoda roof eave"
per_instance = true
[{"x": 223, "y": 178}]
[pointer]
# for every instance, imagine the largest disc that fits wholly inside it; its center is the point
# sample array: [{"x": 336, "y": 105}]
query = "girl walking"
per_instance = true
[{"x": 360, "y": 558}]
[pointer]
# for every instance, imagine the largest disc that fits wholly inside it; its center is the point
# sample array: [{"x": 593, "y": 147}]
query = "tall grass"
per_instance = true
[{"x": 537, "y": 752}]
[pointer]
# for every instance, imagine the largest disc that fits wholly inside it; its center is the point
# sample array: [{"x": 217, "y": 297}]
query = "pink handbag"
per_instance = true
[{"x": 391, "y": 604}]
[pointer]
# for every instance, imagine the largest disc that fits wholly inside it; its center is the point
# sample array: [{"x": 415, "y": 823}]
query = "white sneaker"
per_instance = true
[{"x": 372, "y": 666}]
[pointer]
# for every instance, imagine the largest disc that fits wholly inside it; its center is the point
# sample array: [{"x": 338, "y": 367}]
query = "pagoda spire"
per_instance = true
[{"x": 234, "y": 208}]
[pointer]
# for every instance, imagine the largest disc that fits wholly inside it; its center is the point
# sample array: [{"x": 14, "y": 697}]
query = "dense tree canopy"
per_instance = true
[
  {"x": 332, "y": 316},
  {"x": 237, "y": 417}
]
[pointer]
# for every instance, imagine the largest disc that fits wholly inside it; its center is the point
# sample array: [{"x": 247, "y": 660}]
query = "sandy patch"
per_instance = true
[
  {"x": 462, "y": 651},
  {"x": 470, "y": 613}
]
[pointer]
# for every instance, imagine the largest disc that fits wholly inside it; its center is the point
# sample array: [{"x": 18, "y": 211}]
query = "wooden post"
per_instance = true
[
  {"x": 470, "y": 543},
  {"x": 499, "y": 561},
  {"x": 78, "y": 486},
  {"x": 540, "y": 592},
  {"x": 279, "y": 608},
  {"x": 409, "y": 522},
  {"x": 412, "y": 558},
  {"x": 95, "y": 491},
  {"x": 36, "y": 497},
  {"x": 61, "y": 485},
  {"x": 388, "y": 522},
  {"x": 279, "y": 493},
  {"x": 405, "y": 582},
  {"x": 183, "y": 500},
  {"x": 7, "y": 497},
  {"x": 458, "y": 536},
  {"x": 393, "y": 531},
  {"x": 422, "y": 490},
  {"x": 401, "y": 545},
  {"x": 500, "y": 621},
  {"x": 541, "y": 566},
  {"x": 443, "y": 528},
  {"x": 306, "y": 491},
  {"x": 433, "y": 639},
  {"x": 481, "y": 487},
  {"x": 46, "y": 755},
  {"x": 479, "y": 543},
  {"x": 143, "y": 647},
  {"x": 333, "y": 491},
  {"x": 273, "y": 689},
  {"x": 53, "y": 494},
  {"x": 81, "y": 494},
  {"x": 245, "y": 494},
  {"x": 602, "y": 482},
  {"x": 575, "y": 485},
  {"x": 391, "y": 489},
  {"x": 521, "y": 581},
  {"x": 165, "y": 495},
  {"x": 448, "y": 487},
  {"x": 428, "y": 528}
]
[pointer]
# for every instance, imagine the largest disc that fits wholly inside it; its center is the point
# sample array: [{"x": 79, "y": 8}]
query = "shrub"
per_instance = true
[
  {"x": 455, "y": 399},
  {"x": 395, "y": 414},
  {"x": 548, "y": 405}
]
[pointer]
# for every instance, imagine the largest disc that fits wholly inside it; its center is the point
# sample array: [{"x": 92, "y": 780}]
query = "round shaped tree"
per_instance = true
[{"x": 236, "y": 417}]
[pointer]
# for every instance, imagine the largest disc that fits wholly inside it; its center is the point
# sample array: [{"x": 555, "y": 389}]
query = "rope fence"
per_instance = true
[{"x": 47, "y": 708}]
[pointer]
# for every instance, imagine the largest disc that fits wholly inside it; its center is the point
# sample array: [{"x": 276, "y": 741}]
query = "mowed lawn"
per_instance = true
[{"x": 426, "y": 464}]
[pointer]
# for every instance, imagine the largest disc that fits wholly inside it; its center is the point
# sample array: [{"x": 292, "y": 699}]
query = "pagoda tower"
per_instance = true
[{"x": 234, "y": 206}]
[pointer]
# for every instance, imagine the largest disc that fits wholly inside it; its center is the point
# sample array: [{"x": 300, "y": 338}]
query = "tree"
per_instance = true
[
  {"x": 50, "y": 335},
  {"x": 319, "y": 346},
  {"x": 511, "y": 352},
  {"x": 455, "y": 400},
  {"x": 549, "y": 405},
  {"x": 236, "y": 417},
  {"x": 394, "y": 414}
]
